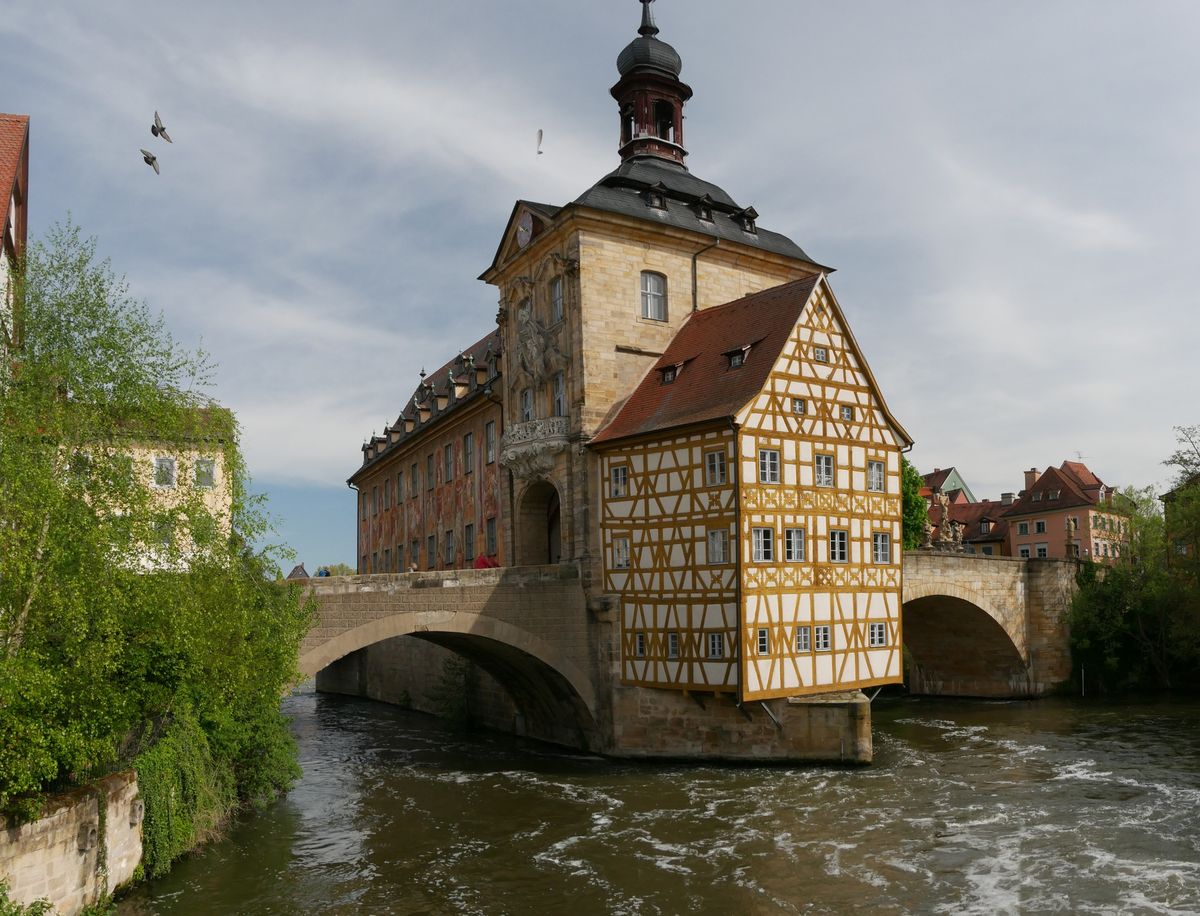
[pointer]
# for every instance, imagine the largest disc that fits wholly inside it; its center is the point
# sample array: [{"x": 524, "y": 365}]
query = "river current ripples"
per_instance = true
[{"x": 1046, "y": 807}]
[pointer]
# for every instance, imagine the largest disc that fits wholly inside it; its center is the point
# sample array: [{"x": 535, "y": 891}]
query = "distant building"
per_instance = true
[
  {"x": 948, "y": 481},
  {"x": 1184, "y": 539},
  {"x": 14, "y": 184},
  {"x": 1066, "y": 512}
]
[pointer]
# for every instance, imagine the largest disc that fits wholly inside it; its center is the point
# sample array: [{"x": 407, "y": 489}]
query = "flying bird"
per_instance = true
[
  {"x": 151, "y": 160},
  {"x": 539, "y": 146},
  {"x": 158, "y": 130}
]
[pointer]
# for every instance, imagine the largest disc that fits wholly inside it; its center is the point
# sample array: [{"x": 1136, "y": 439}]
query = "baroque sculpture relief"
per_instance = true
[{"x": 528, "y": 449}]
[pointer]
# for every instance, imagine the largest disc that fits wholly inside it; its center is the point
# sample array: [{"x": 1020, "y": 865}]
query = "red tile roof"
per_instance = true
[
  {"x": 706, "y": 387},
  {"x": 14, "y": 141},
  {"x": 970, "y": 515},
  {"x": 1075, "y": 484}
]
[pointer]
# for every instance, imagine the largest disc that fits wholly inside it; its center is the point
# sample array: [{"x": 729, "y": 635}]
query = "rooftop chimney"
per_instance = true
[
  {"x": 1031, "y": 477},
  {"x": 1006, "y": 499}
]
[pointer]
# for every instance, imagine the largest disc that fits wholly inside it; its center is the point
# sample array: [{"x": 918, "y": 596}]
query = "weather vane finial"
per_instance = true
[{"x": 648, "y": 29}]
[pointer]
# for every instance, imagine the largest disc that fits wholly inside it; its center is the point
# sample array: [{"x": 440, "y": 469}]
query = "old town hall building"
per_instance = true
[{"x": 673, "y": 400}]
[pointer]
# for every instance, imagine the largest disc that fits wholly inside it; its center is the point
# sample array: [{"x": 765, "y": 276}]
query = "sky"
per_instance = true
[{"x": 1009, "y": 193}]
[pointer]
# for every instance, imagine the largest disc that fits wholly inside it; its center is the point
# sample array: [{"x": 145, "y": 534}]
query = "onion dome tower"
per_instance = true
[{"x": 650, "y": 95}]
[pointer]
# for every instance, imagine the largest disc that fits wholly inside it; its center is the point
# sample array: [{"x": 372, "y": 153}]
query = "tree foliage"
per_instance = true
[
  {"x": 1136, "y": 624},
  {"x": 119, "y": 611},
  {"x": 913, "y": 506}
]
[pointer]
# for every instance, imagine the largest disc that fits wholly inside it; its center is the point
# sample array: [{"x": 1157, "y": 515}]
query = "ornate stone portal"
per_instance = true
[{"x": 528, "y": 449}]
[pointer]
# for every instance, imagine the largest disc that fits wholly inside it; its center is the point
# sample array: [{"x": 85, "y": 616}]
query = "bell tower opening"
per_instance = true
[{"x": 650, "y": 95}]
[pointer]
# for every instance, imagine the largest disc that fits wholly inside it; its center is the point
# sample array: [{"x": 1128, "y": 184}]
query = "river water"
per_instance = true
[{"x": 1052, "y": 806}]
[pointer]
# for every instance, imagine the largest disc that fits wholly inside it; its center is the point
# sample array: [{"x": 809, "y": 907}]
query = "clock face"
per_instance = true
[{"x": 524, "y": 229}]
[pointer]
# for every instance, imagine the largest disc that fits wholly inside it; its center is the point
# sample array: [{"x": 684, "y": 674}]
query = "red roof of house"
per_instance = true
[
  {"x": 706, "y": 387},
  {"x": 970, "y": 515},
  {"x": 14, "y": 139},
  {"x": 1074, "y": 483}
]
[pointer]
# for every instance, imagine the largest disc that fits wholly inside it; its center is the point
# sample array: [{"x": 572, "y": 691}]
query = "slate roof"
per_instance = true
[
  {"x": 623, "y": 191},
  {"x": 425, "y": 393},
  {"x": 706, "y": 387}
]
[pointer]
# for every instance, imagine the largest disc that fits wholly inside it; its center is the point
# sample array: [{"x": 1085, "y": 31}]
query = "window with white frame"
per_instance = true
[
  {"x": 822, "y": 638},
  {"x": 621, "y": 553},
  {"x": 1042, "y": 551},
  {"x": 838, "y": 546},
  {"x": 715, "y": 472},
  {"x": 1039, "y": 527},
  {"x": 881, "y": 547},
  {"x": 718, "y": 545},
  {"x": 768, "y": 465},
  {"x": 716, "y": 645},
  {"x": 639, "y": 644},
  {"x": 763, "y": 545},
  {"x": 876, "y": 634},
  {"x": 847, "y": 412},
  {"x": 793, "y": 545},
  {"x": 737, "y": 358},
  {"x": 764, "y": 641},
  {"x": 526, "y": 404},
  {"x": 654, "y": 296},
  {"x": 556, "y": 300},
  {"x": 876, "y": 479},
  {"x": 1023, "y": 552},
  {"x": 618, "y": 477},
  {"x": 799, "y": 406},
  {"x": 489, "y": 441},
  {"x": 820, "y": 354},
  {"x": 803, "y": 639},
  {"x": 164, "y": 472},
  {"x": 672, "y": 645},
  {"x": 560, "y": 394},
  {"x": 823, "y": 465},
  {"x": 206, "y": 473}
]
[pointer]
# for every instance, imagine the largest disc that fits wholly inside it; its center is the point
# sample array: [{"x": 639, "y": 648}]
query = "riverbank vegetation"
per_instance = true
[
  {"x": 1135, "y": 625},
  {"x": 139, "y": 624}
]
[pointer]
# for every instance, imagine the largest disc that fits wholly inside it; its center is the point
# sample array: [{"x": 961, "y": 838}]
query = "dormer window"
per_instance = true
[
  {"x": 747, "y": 220},
  {"x": 1037, "y": 497},
  {"x": 668, "y": 374},
  {"x": 1053, "y": 494},
  {"x": 737, "y": 358},
  {"x": 703, "y": 209},
  {"x": 656, "y": 196},
  {"x": 985, "y": 526}
]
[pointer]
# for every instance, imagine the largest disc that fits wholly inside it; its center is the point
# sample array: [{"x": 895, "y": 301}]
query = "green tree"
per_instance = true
[
  {"x": 339, "y": 569},
  {"x": 914, "y": 508},
  {"x": 1135, "y": 624},
  {"x": 108, "y": 635}
]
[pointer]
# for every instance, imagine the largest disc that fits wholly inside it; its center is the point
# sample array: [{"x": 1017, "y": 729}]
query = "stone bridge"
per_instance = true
[
  {"x": 982, "y": 626},
  {"x": 972, "y": 626},
  {"x": 527, "y": 627}
]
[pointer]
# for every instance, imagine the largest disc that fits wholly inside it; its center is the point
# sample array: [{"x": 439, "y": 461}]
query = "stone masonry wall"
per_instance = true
[
  {"x": 1051, "y": 586},
  {"x": 62, "y": 857}
]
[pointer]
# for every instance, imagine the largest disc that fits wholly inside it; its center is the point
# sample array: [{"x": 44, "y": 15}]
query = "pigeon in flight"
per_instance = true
[
  {"x": 151, "y": 160},
  {"x": 539, "y": 146},
  {"x": 158, "y": 130}
]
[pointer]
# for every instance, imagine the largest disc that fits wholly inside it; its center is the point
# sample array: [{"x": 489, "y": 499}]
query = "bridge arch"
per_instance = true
[
  {"x": 961, "y": 643},
  {"x": 556, "y": 698}
]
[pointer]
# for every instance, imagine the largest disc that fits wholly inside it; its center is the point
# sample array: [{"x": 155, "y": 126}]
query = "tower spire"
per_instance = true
[
  {"x": 650, "y": 95},
  {"x": 648, "y": 29}
]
